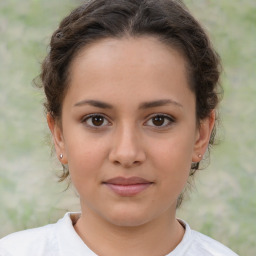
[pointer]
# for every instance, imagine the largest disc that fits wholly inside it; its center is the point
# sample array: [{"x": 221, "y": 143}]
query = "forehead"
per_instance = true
[
  {"x": 137, "y": 48},
  {"x": 143, "y": 65}
]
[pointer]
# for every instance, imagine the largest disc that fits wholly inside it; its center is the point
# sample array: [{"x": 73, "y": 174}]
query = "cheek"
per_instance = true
[
  {"x": 174, "y": 151},
  {"x": 85, "y": 158},
  {"x": 172, "y": 160}
]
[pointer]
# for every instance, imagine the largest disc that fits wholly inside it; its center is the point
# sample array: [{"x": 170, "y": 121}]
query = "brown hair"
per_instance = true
[{"x": 168, "y": 20}]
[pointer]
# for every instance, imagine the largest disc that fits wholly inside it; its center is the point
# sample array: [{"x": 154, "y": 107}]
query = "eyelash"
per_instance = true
[
  {"x": 167, "y": 121},
  {"x": 89, "y": 117}
]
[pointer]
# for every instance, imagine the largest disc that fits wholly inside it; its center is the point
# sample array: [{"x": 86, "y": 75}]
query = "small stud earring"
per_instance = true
[
  {"x": 199, "y": 155},
  {"x": 61, "y": 156}
]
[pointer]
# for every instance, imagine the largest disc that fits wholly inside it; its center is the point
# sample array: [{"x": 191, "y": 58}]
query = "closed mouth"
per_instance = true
[{"x": 127, "y": 186}]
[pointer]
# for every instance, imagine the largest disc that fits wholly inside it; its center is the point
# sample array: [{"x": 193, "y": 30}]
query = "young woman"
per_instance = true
[{"x": 131, "y": 92}]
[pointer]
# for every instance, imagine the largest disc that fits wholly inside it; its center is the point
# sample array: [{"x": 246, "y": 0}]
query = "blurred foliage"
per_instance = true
[{"x": 223, "y": 205}]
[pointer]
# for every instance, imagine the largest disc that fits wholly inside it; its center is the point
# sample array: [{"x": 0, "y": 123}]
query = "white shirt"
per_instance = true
[{"x": 61, "y": 239}]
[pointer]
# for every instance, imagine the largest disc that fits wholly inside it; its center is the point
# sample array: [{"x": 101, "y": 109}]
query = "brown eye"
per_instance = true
[
  {"x": 161, "y": 121},
  {"x": 96, "y": 121},
  {"x": 158, "y": 120}
]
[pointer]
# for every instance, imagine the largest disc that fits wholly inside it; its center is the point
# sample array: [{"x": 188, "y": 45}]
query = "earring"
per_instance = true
[
  {"x": 61, "y": 156},
  {"x": 199, "y": 155}
]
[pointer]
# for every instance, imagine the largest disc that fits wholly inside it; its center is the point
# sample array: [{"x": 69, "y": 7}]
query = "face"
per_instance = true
[{"x": 129, "y": 132}]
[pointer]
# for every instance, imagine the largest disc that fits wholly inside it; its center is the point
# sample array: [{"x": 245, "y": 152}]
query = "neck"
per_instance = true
[{"x": 157, "y": 237}]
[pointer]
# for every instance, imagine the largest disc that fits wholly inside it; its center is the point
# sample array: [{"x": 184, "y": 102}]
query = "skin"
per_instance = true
[{"x": 125, "y": 77}]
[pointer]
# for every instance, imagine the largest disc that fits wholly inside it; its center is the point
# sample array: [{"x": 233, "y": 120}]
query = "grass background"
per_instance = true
[{"x": 223, "y": 203}]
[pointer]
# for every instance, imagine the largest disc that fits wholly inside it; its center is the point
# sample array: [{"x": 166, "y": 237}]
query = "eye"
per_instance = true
[
  {"x": 95, "y": 120},
  {"x": 160, "y": 120}
]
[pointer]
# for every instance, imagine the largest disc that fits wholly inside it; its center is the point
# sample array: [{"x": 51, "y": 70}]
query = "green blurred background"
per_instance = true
[{"x": 223, "y": 202}]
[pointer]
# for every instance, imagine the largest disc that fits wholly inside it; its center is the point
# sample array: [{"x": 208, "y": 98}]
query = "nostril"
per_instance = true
[{"x": 116, "y": 162}]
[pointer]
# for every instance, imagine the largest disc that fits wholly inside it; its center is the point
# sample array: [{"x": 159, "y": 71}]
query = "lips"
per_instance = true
[{"x": 127, "y": 186}]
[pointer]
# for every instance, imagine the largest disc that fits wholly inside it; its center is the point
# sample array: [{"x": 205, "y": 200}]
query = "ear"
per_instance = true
[
  {"x": 203, "y": 136},
  {"x": 58, "y": 139}
]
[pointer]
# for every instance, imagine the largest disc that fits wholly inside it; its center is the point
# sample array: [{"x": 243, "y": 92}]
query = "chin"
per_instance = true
[{"x": 128, "y": 217}]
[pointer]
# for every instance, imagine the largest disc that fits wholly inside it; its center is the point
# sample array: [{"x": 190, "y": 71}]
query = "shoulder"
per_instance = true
[
  {"x": 29, "y": 242},
  {"x": 50, "y": 240},
  {"x": 197, "y": 244},
  {"x": 205, "y": 244}
]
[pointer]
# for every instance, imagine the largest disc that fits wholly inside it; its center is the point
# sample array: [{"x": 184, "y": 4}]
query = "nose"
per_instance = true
[{"x": 127, "y": 149}]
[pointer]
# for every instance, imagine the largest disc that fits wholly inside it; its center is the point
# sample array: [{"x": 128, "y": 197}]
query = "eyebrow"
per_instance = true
[
  {"x": 159, "y": 103},
  {"x": 144, "y": 105},
  {"x": 95, "y": 103}
]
